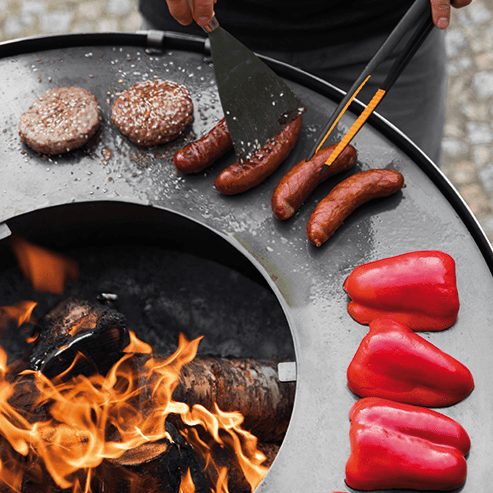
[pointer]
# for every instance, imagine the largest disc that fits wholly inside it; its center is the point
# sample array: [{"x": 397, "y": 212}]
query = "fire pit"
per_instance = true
[
  {"x": 142, "y": 272},
  {"x": 111, "y": 192}
]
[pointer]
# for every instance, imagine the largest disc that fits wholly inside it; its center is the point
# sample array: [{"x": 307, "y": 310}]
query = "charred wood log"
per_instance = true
[
  {"x": 246, "y": 385},
  {"x": 159, "y": 474},
  {"x": 98, "y": 332},
  {"x": 156, "y": 467},
  {"x": 79, "y": 326},
  {"x": 161, "y": 461}
]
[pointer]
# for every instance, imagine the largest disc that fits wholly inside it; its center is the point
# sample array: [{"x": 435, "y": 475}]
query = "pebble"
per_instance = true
[
  {"x": 480, "y": 133},
  {"x": 483, "y": 84}
]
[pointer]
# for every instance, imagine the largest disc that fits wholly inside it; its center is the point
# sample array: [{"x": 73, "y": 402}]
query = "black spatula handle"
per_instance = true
[{"x": 213, "y": 24}]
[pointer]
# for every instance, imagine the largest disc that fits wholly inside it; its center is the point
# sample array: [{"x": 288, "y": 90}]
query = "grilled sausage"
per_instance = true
[
  {"x": 345, "y": 197},
  {"x": 300, "y": 181},
  {"x": 200, "y": 154},
  {"x": 240, "y": 177}
]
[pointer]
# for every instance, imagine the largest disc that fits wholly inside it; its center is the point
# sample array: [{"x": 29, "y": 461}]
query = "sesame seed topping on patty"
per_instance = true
[
  {"x": 153, "y": 112},
  {"x": 61, "y": 120}
]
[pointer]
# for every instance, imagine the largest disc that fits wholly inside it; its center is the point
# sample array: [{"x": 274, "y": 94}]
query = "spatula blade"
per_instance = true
[{"x": 257, "y": 103}]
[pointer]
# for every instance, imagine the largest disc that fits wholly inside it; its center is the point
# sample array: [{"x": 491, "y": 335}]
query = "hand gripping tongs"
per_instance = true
[{"x": 418, "y": 17}]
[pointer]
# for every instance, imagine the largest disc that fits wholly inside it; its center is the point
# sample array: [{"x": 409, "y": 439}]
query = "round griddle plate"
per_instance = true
[{"x": 427, "y": 214}]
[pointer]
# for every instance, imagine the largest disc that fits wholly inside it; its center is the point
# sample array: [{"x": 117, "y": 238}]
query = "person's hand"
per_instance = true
[
  {"x": 187, "y": 11},
  {"x": 440, "y": 10}
]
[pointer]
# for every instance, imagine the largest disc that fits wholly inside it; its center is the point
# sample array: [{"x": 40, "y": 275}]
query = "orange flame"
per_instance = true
[
  {"x": 19, "y": 313},
  {"x": 72, "y": 439},
  {"x": 187, "y": 485},
  {"x": 47, "y": 271}
]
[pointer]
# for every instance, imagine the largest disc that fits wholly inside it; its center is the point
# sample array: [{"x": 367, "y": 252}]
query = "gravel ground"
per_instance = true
[{"x": 468, "y": 142}]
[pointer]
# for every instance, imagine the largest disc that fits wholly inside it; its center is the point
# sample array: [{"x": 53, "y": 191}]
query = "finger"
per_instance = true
[
  {"x": 458, "y": 4},
  {"x": 181, "y": 11},
  {"x": 203, "y": 10},
  {"x": 440, "y": 11}
]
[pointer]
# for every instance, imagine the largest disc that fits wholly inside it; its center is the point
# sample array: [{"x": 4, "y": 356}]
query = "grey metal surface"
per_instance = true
[{"x": 427, "y": 214}]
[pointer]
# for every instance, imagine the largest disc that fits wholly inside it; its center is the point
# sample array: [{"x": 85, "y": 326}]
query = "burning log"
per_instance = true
[
  {"x": 245, "y": 385},
  {"x": 161, "y": 464},
  {"x": 79, "y": 326},
  {"x": 150, "y": 422},
  {"x": 155, "y": 467}
]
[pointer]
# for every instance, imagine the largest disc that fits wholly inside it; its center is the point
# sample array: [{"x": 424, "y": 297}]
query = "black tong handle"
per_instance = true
[{"x": 418, "y": 17}]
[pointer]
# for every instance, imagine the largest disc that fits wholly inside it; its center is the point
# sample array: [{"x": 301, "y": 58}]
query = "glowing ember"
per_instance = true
[{"x": 87, "y": 420}]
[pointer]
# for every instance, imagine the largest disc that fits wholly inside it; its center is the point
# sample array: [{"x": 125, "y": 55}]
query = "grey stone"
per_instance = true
[
  {"x": 486, "y": 175},
  {"x": 455, "y": 41},
  {"x": 483, "y": 84},
  {"x": 56, "y": 22},
  {"x": 480, "y": 133}
]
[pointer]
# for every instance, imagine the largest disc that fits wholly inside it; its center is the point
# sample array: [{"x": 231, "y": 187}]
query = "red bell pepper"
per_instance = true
[
  {"x": 394, "y": 362},
  {"x": 396, "y": 445},
  {"x": 418, "y": 288}
]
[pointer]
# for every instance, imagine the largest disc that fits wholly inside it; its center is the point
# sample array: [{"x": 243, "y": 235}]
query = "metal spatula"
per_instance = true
[{"x": 256, "y": 102}]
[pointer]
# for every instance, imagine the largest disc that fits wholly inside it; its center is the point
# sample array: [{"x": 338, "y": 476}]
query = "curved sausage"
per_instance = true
[
  {"x": 240, "y": 177},
  {"x": 200, "y": 154},
  {"x": 345, "y": 197},
  {"x": 300, "y": 181}
]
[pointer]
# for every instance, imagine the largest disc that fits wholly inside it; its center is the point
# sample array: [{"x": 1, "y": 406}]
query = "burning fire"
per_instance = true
[
  {"x": 70, "y": 427},
  {"x": 72, "y": 440}
]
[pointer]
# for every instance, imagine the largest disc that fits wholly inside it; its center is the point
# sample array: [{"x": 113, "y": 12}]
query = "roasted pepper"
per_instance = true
[
  {"x": 394, "y": 362},
  {"x": 417, "y": 288},
  {"x": 395, "y": 445}
]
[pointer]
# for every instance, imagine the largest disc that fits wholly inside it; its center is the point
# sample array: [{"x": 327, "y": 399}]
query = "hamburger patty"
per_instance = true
[
  {"x": 153, "y": 112},
  {"x": 61, "y": 120}
]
